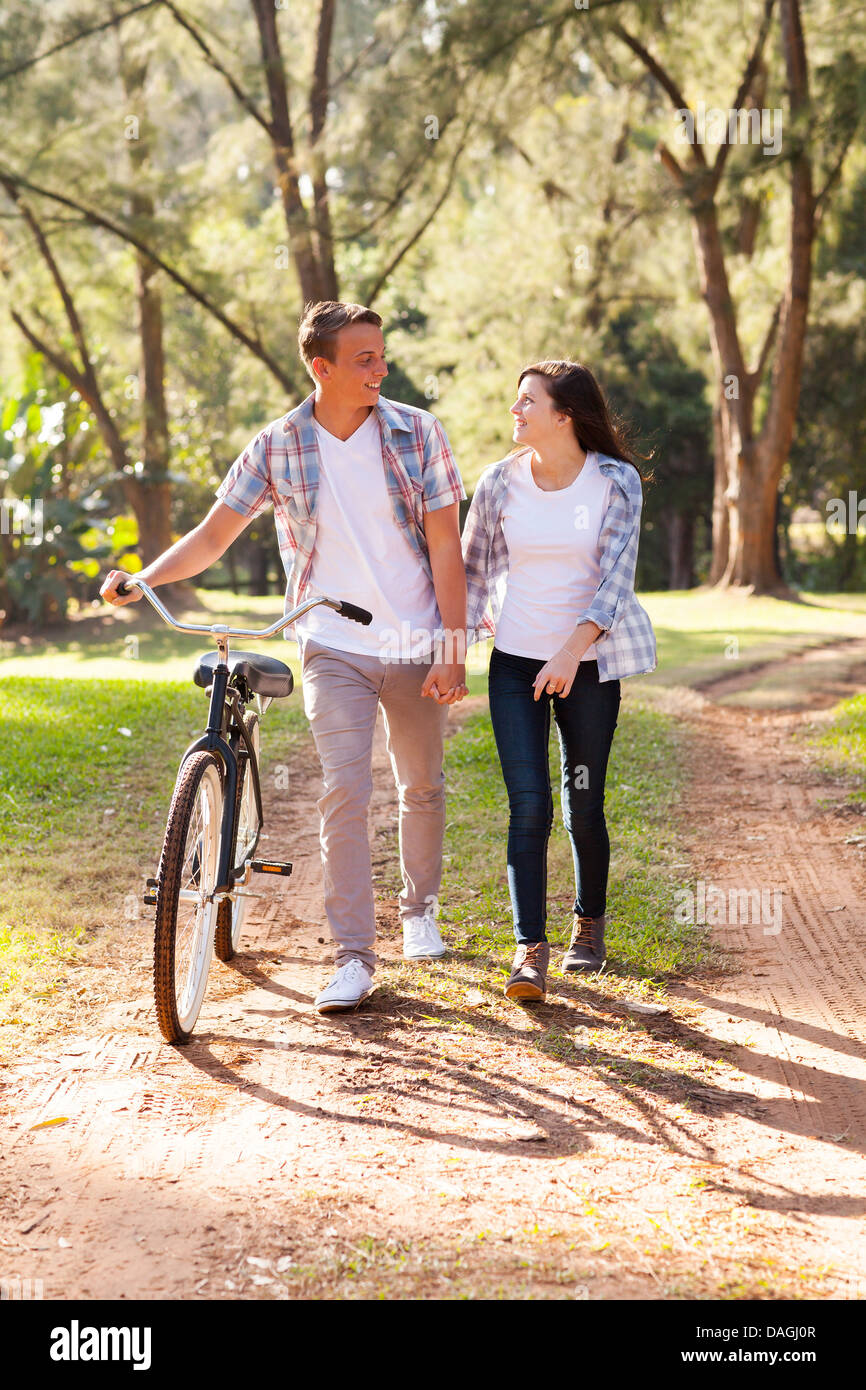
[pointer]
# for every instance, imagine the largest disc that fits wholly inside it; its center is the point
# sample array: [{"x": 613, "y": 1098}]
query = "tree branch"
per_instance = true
[
  {"x": 671, "y": 163},
  {"x": 87, "y": 373},
  {"x": 832, "y": 177},
  {"x": 319, "y": 83},
  {"x": 767, "y": 345},
  {"x": 652, "y": 66},
  {"x": 421, "y": 229},
  {"x": 211, "y": 59},
  {"x": 745, "y": 86},
  {"x": 360, "y": 57},
  {"x": 74, "y": 38},
  {"x": 96, "y": 219}
]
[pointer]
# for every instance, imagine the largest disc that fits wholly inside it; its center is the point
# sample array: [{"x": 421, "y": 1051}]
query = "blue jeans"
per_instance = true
[{"x": 585, "y": 722}]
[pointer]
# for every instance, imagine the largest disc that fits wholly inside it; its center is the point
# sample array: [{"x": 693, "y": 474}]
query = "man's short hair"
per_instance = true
[{"x": 320, "y": 324}]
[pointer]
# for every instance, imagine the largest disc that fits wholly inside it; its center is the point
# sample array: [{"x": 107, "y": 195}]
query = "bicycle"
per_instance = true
[{"x": 215, "y": 819}]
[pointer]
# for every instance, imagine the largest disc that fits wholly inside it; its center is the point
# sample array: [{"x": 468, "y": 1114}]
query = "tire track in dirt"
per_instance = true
[{"x": 801, "y": 981}]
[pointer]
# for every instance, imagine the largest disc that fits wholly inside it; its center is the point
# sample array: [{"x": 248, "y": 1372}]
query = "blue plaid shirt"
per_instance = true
[
  {"x": 281, "y": 467},
  {"x": 626, "y": 646}
]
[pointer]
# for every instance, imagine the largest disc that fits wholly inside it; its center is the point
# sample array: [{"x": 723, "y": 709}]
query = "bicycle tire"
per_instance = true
[
  {"x": 231, "y": 914},
  {"x": 194, "y": 842}
]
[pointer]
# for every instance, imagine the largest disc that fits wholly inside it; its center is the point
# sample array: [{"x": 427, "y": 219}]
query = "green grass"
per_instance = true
[
  {"x": 133, "y": 644},
  {"x": 83, "y": 805},
  {"x": 841, "y": 747},
  {"x": 703, "y": 635},
  {"x": 647, "y": 768}
]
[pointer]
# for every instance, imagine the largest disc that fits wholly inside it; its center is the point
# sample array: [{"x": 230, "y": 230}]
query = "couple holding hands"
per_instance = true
[{"x": 366, "y": 496}]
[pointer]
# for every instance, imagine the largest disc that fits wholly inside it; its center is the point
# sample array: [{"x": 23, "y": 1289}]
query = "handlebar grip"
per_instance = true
[
  {"x": 358, "y": 615},
  {"x": 122, "y": 589}
]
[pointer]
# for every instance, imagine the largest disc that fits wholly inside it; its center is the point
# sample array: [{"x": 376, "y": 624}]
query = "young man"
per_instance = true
[{"x": 365, "y": 494}]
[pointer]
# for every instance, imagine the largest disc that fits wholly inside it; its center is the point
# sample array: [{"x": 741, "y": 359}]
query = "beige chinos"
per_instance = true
[{"x": 342, "y": 694}]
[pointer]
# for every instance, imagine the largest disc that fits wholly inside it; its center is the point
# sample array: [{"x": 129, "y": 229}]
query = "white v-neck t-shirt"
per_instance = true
[
  {"x": 362, "y": 555},
  {"x": 554, "y": 559}
]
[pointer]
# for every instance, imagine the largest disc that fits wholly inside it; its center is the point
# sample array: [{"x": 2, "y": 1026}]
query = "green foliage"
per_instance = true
[
  {"x": 841, "y": 746},
  {"x": 53, "y": 514},
  {"x": 491, "y": 180}
]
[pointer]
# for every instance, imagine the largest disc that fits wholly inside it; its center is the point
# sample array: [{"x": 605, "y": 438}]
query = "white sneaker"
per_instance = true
[
  {"x": 421, "y": 939},
  {"x": 351, "y": 985}
]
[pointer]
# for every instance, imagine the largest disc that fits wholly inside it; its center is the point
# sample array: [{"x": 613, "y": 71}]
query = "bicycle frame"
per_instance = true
[{"x": 212, "y": 740}]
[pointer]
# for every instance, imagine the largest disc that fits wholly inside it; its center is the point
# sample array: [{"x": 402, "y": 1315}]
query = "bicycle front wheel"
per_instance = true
[{"x": 185, "y": 911}]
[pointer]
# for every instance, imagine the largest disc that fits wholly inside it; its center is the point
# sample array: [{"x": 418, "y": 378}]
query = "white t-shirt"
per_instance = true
[
  {"x": 553, "y": 558},
  {"x": 362, "y": 555}
]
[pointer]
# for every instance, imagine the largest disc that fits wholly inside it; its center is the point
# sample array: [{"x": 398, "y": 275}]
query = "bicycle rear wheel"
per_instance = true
[
  {"x": 185, "y": 918},
  {"x": 232, "y": 912}
]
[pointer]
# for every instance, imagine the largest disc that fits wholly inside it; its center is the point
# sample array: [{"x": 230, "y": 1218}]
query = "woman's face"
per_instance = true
[{"x": 536, "y": 420}]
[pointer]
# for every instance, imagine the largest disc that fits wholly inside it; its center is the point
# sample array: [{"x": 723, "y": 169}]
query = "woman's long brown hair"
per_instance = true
[{"x": 575, "y": 391}]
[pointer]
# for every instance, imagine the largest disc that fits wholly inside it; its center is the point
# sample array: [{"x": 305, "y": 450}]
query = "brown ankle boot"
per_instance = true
[
  {"x": 528, "y": 979},
  {"x": 586, "y": 949}
]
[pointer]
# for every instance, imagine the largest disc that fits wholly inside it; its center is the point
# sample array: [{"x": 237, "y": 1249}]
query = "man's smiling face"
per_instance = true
[{"x": 356, "y": 374}]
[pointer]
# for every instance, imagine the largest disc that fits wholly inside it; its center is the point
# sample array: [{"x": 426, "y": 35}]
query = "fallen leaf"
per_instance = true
[
  {"x": 58, "y": 1120},
  {"x": 636, "y": 1007},
  {"x": 473, "y": 998}
]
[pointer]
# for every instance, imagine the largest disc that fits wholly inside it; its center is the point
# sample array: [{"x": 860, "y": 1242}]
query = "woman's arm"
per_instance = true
[
  {"x": 618, "y": 544},
  {"x": 475, "y": 542}
]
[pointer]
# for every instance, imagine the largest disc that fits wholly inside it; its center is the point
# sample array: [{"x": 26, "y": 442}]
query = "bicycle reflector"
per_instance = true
[{"x": 270, "y": 866}]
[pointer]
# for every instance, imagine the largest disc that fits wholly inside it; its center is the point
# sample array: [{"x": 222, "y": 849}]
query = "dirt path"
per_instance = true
[{"x": 433, "y": 1149}]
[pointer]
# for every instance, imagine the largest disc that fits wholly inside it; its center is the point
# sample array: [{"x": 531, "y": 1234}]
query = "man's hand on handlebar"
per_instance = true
[{"x": 110, "y": 587}]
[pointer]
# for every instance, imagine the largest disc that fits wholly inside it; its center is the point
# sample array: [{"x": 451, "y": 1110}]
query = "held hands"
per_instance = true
[
  {"x": 109, "y": 589},
  {"x": 446, "y": 682},
  {"x": 556, "y": 676}
]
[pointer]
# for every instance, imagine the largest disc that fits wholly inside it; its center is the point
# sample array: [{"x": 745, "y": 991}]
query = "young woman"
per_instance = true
[{"x": 550, "y": 543}]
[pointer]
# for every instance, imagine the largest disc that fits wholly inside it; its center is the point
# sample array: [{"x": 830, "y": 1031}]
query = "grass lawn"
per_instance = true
[
  {"x": 704, "y": 635},
  {"x": 86, "y": 773},
  {"x": 841, "y": 747}
]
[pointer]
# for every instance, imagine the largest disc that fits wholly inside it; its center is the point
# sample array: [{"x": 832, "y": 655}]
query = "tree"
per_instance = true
[{"x": 750, "y": 456}]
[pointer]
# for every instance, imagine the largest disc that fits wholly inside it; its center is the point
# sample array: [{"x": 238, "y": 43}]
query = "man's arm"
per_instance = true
[
  {"x": 193, "y": 553},
  {"x": 446, "y": 679}
]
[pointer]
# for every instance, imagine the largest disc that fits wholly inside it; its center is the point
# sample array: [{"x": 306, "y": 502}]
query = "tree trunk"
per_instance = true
[
  {"x": 681, "y": 541},
  {"x": 259, "y": 560},
  {"x": 319, "y": 92},
  {"x": 150, "y": 491},
  {"x": 314, "y": 284},
  {"x": 752, "y": 493},
  {"x": 721, "y": 530}
]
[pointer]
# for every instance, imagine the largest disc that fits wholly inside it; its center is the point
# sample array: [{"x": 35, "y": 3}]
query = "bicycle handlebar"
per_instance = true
[{"x": 348, "y": 610}]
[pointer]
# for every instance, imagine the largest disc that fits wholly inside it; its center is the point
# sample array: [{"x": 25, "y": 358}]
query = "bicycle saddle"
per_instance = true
[{"x": 263, "y": 674}]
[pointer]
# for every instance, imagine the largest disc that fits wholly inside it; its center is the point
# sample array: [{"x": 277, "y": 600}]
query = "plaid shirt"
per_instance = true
[
  {"x": 626, "y": 645},
  {"x": 281, "y": 467}
]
